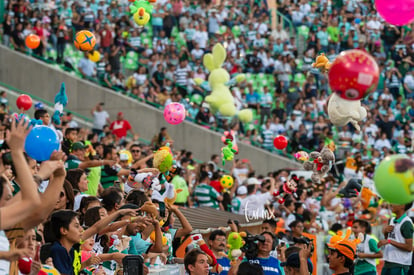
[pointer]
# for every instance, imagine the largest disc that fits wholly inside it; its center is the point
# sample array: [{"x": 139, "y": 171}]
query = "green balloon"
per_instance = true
[
  {"x": 394, "y": 179},
  {"x": 197, "y": 98}
]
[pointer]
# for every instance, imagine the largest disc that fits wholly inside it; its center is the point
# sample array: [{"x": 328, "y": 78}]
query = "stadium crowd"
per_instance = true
[
  {"x": 81, "y": 212},
  {"x": 158, "y": 63},
  {"x": 288, "y": 98}
]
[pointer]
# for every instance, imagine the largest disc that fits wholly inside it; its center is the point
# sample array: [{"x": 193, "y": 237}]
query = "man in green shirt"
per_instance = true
[
  {"x": 205, "y": 194},
  {"x": 179, "y": 183},
  {"x": 76, "y": 159},
  {"x": 367, "y": 250}
]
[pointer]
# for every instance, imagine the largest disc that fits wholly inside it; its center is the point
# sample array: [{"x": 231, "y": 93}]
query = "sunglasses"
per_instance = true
[{"x": 135, "y": 151}]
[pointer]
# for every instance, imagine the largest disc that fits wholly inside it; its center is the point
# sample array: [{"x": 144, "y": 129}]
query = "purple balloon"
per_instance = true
[{"x": 396, "y": 12}]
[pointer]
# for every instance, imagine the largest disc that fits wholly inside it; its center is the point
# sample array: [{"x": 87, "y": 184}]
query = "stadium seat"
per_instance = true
[{"x": 300, "y": 78}]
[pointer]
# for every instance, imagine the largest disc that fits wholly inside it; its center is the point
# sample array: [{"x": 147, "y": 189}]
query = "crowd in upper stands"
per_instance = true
[{"x": 158, "y": 63}]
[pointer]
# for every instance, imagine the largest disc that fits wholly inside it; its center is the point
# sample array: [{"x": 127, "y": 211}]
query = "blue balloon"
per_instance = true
[
  {"x": 357, "y": 20},
  {"x": 41, "y": 142}
]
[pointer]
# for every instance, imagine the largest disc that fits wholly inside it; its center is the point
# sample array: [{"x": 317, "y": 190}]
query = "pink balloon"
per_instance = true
[
  {"x": 396, "y": 12},
  {"x": 174, "y": 113}
]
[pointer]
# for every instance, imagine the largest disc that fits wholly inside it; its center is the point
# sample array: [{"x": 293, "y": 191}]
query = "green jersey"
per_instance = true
[{"x": 206, "y": 196}]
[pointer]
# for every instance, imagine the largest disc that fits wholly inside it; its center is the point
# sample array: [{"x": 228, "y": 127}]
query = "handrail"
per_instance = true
[
  {"x": 87, "y": 119},
  {"x": 284, "y": 17},
  {"x": 50, "y": 104}
]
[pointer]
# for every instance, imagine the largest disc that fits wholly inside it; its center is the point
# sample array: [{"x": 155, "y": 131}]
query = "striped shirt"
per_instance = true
[
  {"x": 181, "y": 75},
  {"x": 267, "y": 135},
  {"x": 109, "y": 175},
  {"x": 206, "y": 196},
  {"x": 235, "y": 205}
]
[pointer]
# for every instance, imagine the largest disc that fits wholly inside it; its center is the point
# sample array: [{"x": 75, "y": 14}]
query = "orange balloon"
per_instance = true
[{"x": 32, "y": 41}]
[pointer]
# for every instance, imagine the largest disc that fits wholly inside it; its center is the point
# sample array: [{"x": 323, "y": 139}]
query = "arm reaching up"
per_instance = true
[
  {"x": 19, "y": 211},
  {"x": 54, "y": 170}
]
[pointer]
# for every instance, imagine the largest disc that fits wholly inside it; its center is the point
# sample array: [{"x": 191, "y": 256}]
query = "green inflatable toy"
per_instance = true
[{"x": 394, "y": 179}]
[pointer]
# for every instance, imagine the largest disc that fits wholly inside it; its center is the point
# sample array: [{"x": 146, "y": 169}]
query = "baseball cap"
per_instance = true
[
  {"x": 123, "y": 156},
  {"x": 252, "y": 181},
  {"x": 78, "y": 146},
  {"x": 120, "y": 113},
  {"x": 242, "y": 190},
  {"x": 344, "y": 245},
  {"x": 294, "y": 261}
]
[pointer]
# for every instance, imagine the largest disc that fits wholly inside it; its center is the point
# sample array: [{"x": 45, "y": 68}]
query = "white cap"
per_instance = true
[
  {"x": 123, "y": 156},
  {"x": 242, "y": 190},
  {"x": 252, "y": 181}
]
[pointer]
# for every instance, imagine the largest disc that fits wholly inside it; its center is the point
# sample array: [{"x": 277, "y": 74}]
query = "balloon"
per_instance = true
[
  {"x": 174, "y": 113},
  {"x": 280, "y": 142},
  {"x": 354, "y": 74},
  {"x": 197, "y": 99},
  {"x": 357, "y": 20},
  {"x": 94, "y": 56},
  {"x": 396, "y": 12},
  {"x": 24, "y": 102},
  {"x": 32, "y": 41},
  {"x": 394, "y": 179},
  {"x": 41, "y": 142},
  {"x": 25, "y": 265},
  {"x": 226, "y": 181},
  {"x": 85, "y": 41}
]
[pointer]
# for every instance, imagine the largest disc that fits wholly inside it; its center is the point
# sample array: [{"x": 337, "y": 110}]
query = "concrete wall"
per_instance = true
[{"x": 40, "y": 79}]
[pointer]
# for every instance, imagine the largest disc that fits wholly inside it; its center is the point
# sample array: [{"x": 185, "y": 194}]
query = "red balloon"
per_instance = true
[
  {"x": 25, "y": 265},
  {"x": 354, "y": 74},
  {"x": 24, "y": 102},
  {"x": 280, "y": 142}
]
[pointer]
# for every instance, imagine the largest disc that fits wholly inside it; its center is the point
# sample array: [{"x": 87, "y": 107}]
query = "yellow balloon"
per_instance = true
[{"x": 95, "y": 56}]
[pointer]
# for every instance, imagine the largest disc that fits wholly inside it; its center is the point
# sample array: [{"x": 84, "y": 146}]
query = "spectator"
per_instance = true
[
  {"x": 367, "y": 249},
  {"x": 120, "y": 127},
  {"x": 217, "y": 242},
  {"x": 100, "y": 118},
  {"x": 341, "y": 257},
  {"x": 398, "y": 241},
  {"x": 254, "y": 204},
  {"x": 195, "y": 262},
  {"x": 206, "y": 195},
  {"x": 236, "y": 203},
  {"x": 297, "y": 263},
  {"x": 270, "y": 264},
  {"x": 87, "y": 67}
]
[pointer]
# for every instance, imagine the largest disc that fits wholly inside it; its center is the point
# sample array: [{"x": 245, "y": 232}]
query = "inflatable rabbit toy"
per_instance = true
[{"x": 221, "y": 99}]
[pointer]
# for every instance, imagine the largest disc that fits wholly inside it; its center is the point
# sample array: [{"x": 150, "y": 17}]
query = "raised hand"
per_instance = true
[{"x": 17, "y": 134}]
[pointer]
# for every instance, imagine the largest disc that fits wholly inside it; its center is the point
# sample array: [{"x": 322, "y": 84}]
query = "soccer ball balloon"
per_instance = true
[
  {"x": 85, "y": 41},
  {"x": 394, "y": 179},
  {"x": 226, "y": 182}
]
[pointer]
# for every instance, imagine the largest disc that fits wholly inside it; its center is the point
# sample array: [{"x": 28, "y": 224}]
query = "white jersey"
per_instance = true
[{"x": 393, "y": 254}]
